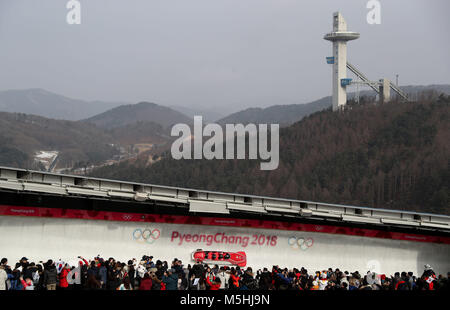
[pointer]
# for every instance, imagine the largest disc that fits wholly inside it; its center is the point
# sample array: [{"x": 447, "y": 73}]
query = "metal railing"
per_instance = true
[{"x": 21, "y": 180}]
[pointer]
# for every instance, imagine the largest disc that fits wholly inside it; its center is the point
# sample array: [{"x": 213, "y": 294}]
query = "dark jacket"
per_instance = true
[
  {"x": 265, "y": 280},
  {"x": 171, "y": 282},
  {"x": 103, "y": 273},
  {"x": 50, "y": 276},
  {"x": 198, "y": 270},
  {"x": 92, "y": 271},
  {"x": 178, "y": 269},
  {"x": 28, "y": 272},
  {"x": 156, "y": 283},
  {"x": 14, "y": 278},
  {"x": 248, "y": 280},
  {"x": 113, "y": 280},
  {"x": 131, "y": 273}
]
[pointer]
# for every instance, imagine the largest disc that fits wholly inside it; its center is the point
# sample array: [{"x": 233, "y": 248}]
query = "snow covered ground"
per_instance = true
[{"x": 46, "y": 158}]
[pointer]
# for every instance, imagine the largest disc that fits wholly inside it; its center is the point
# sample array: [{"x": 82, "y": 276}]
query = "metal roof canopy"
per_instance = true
[{"x": 219, "y": 202}]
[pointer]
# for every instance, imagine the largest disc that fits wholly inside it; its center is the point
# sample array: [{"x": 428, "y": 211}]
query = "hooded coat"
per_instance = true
[{"x": 50, "y": 275}]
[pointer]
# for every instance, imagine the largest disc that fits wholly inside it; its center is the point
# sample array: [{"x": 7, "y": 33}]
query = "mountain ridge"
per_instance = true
[
  {"x": 286, "y": 115},
  {"x": 391, "y": 156},
  {"x": 41, "y": 102},
  {"x": 142, "y": 111}
]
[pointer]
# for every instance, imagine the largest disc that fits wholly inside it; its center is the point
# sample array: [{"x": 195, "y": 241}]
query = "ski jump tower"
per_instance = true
[{"x": 339, "y": 37}]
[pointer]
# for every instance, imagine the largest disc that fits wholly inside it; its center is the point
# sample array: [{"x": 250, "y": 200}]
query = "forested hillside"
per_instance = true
[
  {"x": 133, "y": 113},
  {"x": 278, "y": 114},
  {"x": 286, "y": 115},
  {"x": 22, "y": 135},
  {"x": 394, "y": 156}
]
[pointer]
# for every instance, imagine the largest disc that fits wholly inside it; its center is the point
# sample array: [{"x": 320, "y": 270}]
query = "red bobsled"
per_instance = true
[{"x": 220, "y": 258}]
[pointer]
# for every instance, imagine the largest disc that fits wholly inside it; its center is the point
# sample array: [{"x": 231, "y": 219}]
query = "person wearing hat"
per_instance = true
[
  {"x": 323, "y": 282},
  {"x": 24, "y": 263},
  {"x": 150, "y": 262},
  {"x": 429, "y": 278},
  {"x": 344, "y": 279},
  {"x": 140, "y": 271}
]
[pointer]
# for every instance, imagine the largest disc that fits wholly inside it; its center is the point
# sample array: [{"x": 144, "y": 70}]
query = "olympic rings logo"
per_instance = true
[
  {"x": 147, "y": 235},
  {"x": 300, "y": 243}
]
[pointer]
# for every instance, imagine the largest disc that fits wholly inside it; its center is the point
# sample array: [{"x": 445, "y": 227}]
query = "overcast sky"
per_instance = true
[{"x": 227, "y": 54}]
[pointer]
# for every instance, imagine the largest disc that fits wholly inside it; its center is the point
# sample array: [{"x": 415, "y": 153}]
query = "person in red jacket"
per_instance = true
[
  {"x": 63, "y": 277},
  {"x": 146, "y": 283},
  {"x": 213, "y": 285},
  {"x": 234, "y": 278},
  {"x": 27, "y": 283},
  {"x": 82, "y": 261},
  {"x": 429, "y": 278}
]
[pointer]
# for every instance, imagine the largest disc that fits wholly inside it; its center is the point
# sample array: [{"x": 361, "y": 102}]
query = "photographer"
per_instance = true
[
  {"x": 248, "y": 280},
  {"x": 156, "y": 282},
  {"x": 223, "y": 276},
  {"x": 282, "y": 280},
  {"x": 264, "y": 280},
  {"x": 213, "y": 285}
]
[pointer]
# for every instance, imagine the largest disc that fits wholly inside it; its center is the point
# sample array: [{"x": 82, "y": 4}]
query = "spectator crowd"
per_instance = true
[{"x": 146, "y": 274}]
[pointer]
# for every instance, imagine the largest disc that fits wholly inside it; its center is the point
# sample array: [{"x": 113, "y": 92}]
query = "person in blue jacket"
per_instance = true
[{"x": 14, "y": 279}]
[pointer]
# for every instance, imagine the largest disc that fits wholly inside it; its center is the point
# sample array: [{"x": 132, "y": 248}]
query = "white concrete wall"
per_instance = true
[
  {"x": 339, "y": 72},
  {"x": 44, "y": 238}
]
